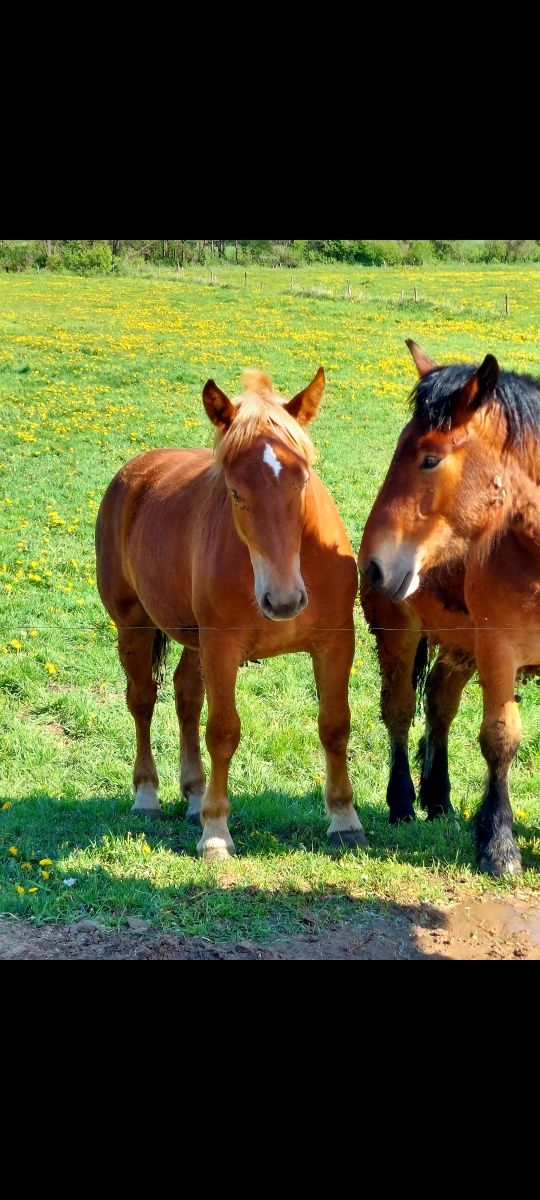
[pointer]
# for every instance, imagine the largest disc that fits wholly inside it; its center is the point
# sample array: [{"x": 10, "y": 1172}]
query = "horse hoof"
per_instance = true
[
  {"x": 346, "y": 838},
  {"x": 149, "y": 814},
  {"x": 438, "y": 810},
  {"x": 215, "y": 853},
  {"x": 193, "y": 818},
  {"x": 500, "y": 866},
  {"x": 401, "y": 818}
]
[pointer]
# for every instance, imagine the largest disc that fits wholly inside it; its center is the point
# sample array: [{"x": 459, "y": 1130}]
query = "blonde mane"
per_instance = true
[{"x": 260, "y": 411}]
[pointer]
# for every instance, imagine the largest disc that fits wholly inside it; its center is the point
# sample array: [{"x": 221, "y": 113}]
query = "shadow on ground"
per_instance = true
[{"x": 109, "y": 916}]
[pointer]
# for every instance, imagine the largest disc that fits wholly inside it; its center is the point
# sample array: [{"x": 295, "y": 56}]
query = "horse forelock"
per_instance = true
[
  {"x": 261, "y": 414},
  {"x": 517, "y": 396},
  {"x": 258, "y": 382}
]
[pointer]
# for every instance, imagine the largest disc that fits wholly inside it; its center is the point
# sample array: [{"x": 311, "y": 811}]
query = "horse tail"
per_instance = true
[{"x": 159, "y": 655}]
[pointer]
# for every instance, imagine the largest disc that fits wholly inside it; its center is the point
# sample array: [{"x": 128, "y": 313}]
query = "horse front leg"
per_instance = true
[
  {"x": 332, "y": 664},
  {"x": 500, "y": 735},
  {"x": 444, "y": 688},
  {"x": 402, "y": 658},
  {"x": 402, "y": 655},
  {"x": 220, "y": 663}
]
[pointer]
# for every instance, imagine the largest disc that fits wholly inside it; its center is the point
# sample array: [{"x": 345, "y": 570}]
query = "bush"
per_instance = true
[
  {"x": 449, "y": 251},
  {"x": 493, "y": 252},
  {"x": 16, "y": 257},
  {"x": 83, "y": 260},
  {"x": 259, "y": 252},
  {"x": 522, "y": 251},
  {"x": 419, "y": 253},
  {"x": 337, "y": 251},
  {"x": 285, "y": 256},
  {"x": 378, "y": 254}
]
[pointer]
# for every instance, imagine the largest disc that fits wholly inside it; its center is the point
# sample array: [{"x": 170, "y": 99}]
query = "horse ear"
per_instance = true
[
  {"x": 482, "y": 383},
  {"x": 217, "y": 405},
  {"x": 476, "y": 390},
  {"x": 305, "y": 406},
  {"x": 422, "y": 361}
]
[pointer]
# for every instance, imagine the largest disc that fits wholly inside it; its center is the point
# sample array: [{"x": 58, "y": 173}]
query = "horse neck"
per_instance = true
[
  {"x": 517, "y": 490},
  {"x": 214, "y": 506},
  {"x": 525, "y": 505}
]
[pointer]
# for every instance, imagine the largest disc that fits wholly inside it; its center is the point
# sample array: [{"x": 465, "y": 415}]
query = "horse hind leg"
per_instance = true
[
  {"x": 189, "y": 697},
  {"x": 444, "y": 688},
  {"x": 137, "y": 651}
]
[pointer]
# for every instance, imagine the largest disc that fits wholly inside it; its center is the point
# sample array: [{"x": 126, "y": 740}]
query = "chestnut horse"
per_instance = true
[
  {"x": 452, "y": 547},
  {"x": 238, "y": 554}
]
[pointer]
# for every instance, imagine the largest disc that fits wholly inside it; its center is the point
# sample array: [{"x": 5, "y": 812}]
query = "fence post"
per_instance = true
[
  {"x": 415, "y": 294},
  {"x": 506, "y": 304},
  {"x": 245, "y": 278},
  {"x": 349, "y": 289}
]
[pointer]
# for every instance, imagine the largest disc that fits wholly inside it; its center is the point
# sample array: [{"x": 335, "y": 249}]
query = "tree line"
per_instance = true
[{"x": 104, "y": 256}]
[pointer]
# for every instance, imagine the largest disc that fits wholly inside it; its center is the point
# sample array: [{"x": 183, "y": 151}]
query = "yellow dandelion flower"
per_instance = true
[
  {"x": 33, "y": 889},
  {"x": 520, "y": 812},
  {"x": 146, "y": 849},
  {"x": 7, "y": 805},
  {"x": 45, "y": 862},
  {"x": 20, "y": 890},
  {"x": 26, "y": 866},
  {"x": 32, "y": 633},
  {"x": 46, "y": 874},
  {"x": 50, "y": 667},
  {"x": 13, "y": 850},
  {"x": 17, "y": 645}
]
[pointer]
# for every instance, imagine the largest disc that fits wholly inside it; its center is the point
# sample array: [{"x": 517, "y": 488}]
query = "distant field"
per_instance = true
[{"x": 91, "y": 372}]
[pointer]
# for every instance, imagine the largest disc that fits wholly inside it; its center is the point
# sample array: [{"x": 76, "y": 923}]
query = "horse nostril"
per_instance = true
[
  {"x": 373, "y": 573},
  {"x": 268, "y": 602}
]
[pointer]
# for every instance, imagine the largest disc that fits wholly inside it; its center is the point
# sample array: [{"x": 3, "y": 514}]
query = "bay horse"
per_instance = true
[
  {"x": 238, "y": 554},
  {"x": 451, "y": 550}
]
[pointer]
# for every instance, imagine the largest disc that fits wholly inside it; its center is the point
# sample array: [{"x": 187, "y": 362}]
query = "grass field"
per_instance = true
[{"x": 91, "y": 372}]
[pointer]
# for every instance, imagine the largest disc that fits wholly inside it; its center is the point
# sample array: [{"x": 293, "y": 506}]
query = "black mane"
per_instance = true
[{"x": 434, "y": 397}]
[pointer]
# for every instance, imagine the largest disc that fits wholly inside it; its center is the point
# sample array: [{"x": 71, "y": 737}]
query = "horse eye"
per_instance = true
[{"x": 429, "y": 462}]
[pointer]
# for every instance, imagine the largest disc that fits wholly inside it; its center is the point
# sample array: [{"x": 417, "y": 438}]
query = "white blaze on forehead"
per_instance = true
[{"x": 271, "y": 459}]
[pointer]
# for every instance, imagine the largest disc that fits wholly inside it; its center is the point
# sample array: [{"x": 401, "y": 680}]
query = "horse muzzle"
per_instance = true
[
  {"x": 394, "y": 580},
  {"x": 279, "y": 607}
]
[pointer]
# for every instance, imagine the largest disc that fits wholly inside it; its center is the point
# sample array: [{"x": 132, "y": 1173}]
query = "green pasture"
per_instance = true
[{"x": 94, "y": 370}]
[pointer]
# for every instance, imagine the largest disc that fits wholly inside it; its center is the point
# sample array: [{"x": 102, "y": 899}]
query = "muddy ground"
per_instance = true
[{"x": 481, "y": 928}]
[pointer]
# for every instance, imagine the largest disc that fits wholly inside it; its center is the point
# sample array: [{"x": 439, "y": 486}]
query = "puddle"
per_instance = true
[
  {"x": 485, "y": 928},
  {"x": 497, "y": 917}
]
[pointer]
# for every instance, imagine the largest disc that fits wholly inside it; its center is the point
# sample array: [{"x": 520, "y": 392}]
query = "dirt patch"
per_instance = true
[
  {"x": 482, "y": 928},
  {"x": 58, "y": 731}
]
